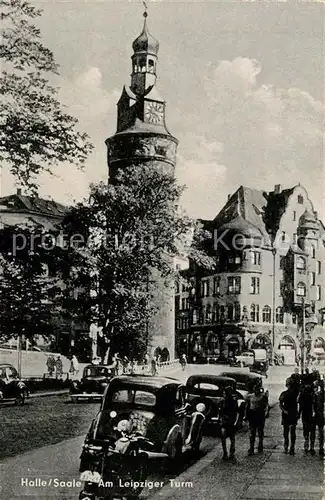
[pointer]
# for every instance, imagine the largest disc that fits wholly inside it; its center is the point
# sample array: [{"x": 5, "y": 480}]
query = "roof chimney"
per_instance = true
[
  {"x": 18, "y": 191},
  {"x": 277, "y": 189}
]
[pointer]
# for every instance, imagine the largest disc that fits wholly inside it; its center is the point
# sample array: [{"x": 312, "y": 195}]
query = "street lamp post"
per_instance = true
[{"x": 273, "y": 304}]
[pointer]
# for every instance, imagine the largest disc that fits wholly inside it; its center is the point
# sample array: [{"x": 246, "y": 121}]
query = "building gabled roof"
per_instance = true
[{"x": 18, "y": 203}]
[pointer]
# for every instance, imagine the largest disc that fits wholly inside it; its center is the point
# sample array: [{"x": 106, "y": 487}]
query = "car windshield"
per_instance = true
[
  {"x": 134, "y": 397},
  {"x": 97, "y": 371},
  {"x": 2, "y": 372}
]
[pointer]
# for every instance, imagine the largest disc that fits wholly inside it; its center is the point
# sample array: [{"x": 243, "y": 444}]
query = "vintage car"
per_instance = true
[
  {"x": 245, "y": 382},
  {"x": 209, "y": 390},
  {"x": 147, "y": 415},
  {"x": 12, "y": 389},
  {"x": 93, "y": 383}
]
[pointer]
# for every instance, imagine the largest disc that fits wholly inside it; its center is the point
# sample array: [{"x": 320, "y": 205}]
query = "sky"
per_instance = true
[{"x": 243, "y": 82}]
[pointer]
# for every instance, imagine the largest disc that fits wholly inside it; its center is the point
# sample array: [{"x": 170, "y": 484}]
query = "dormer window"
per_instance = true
[
  {"x": 151, "y": 66},
  {"x": 300, "y": 199},
  {"x": 301, "y": 289}
]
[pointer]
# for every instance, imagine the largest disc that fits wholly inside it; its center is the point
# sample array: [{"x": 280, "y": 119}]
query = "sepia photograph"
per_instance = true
[{"x": 162, "y": 250}]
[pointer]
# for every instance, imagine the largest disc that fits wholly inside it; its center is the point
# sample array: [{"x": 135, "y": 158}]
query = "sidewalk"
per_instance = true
[{"x": 272, "y": 475}]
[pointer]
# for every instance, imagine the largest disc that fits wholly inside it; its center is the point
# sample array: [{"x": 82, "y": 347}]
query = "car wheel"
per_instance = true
[{"x": 20, "y": 399}]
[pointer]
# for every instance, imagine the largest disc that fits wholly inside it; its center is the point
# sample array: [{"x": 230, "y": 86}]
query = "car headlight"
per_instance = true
[{"x": 113, "y": 414}]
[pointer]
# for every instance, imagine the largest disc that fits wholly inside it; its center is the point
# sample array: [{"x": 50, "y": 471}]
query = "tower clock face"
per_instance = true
[{"x": 154, "y": 112}]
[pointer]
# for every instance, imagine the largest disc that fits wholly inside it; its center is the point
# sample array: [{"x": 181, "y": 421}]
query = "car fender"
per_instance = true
[
  {"x": 173, "y": 434},
  {"x": 197, "y": 420}
]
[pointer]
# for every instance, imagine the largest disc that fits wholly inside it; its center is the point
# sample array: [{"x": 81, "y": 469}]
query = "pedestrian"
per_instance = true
[
  {"x": 153, "y": 366},
  {"x": 228, "y": 416},
  {"x": 50, "y": 363},
  {"x": 318, "y": 417},
  {"x": 183, "y": 361},
  {"x": 289, "y": 407},
  {"x": 256, "y": 405},
  {"x": 305, "y": 401},
  {"x": 59, "y": 367},
  {"x": 74, "y": 367}
]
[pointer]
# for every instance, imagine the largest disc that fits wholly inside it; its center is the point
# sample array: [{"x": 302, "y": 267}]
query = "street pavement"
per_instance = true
[{"x": 267, "y": 476}]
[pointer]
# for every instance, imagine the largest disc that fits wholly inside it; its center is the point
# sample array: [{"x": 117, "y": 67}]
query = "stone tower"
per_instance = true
[{"x": 143, "y": 138}]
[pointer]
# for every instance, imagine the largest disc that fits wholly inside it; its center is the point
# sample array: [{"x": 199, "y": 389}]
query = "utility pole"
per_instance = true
[{"x": 302, "y": 343}]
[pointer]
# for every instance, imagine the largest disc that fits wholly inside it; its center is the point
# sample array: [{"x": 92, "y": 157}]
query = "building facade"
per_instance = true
[
  {"x": 142, "y": 138},
  {"x": 269, "y": 282}
]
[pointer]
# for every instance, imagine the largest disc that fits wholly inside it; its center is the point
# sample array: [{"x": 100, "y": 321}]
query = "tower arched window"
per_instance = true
[
  {"x": 301, "y": 289},
  {"x": 208, "y": 314},
  {"x": 301, "y": 263},
  {"x": 279, "y": 315},
  {"x": 255, "y": 313},
  {"x": 215, "y": 313},
  {"x": 266, "y": 314}
]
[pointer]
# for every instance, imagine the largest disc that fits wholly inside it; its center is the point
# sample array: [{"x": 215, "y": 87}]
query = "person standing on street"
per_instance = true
[
  {"x": 228, "y": 417},
  {"x": 289, "y": 407},
  {"x": 318, "y": 417},
  {"x": 183, "y": 361},
  {"x": 296, "y": 380},
  {"x": 256, "y": 405},
  {"x": 59, "y": 367},
  {"x": 305, "y": 401},
  {"x": 153, "y": 366}
]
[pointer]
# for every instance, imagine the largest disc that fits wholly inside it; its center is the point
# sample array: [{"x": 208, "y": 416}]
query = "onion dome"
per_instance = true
[
  {"x": 145, "y": 42},
  {"x": 241, "y": 226},
  {"x": 308, "y": 221}
]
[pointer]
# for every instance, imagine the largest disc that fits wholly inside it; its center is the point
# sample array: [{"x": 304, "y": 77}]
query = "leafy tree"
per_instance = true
[
  {"x": 128, "y": 233},
  {"x": 35, "y": 131},
  {"x": 28, "y": 294}
]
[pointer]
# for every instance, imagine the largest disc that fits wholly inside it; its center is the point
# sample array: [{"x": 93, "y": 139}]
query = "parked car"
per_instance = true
[
  {"x": 12, "y": 389},
  {"x": 209, "y": 390},
  {"x": 154, "y": 407},
  {"x": 93, "y": 383},
  {"x": 246, "y": 358},
  {"x": 245, "y": 382}
]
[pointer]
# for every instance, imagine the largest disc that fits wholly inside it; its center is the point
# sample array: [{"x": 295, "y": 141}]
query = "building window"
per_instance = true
[
  {"x": 208, "y": 314},
  {"x": 255, "y": 286},
  {"x": 255, "y": 313},
  {"x": 238, "y": 260},
  {"x": 294, "y": 318},
  {"x": 216, "y": 285},
  {"x": 301, "y": 289},
  {"x": 279, "y": 315},
  {"x": 313, "y": 252},
  {"x": 237, "y": 311},
  {"x": 206, "y": 288},
  {"x": 319, "y": 267},
  {"x": 255, "y": 258},
  {"x": 184, "y": 287},
  {"x": 313, "y": 278},
  {"x": 294, "y": 215},
  {"x": 301, "y": 264},
  {"x": 177, "y": 286},
  {"x": 230, "y": 315},
  {"x": 294, "y": 238},
  {"x": 318, "y": 292},
  {"x": 183, "y": 304},
  {"x": 300, "y": 199},
  {"x": 234, "y": 283},
  {"x": 215, "y": 313},
  {"x": 266, "y": 314},
  {"x": 194, "y": 317},
  {"x": 283, "y": 236}
]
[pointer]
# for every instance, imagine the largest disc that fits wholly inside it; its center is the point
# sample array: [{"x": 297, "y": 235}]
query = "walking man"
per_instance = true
[
  {"x": 318, "y": 417},
  {"x": 306, "y": 404},
  {"x": 228, "y": 416},
  {"x": 256, "y": 405},
  {"x": 289, "y": 408}
]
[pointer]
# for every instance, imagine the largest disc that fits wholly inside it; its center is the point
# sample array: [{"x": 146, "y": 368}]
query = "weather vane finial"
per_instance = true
[{"x": 145, "y": 14}]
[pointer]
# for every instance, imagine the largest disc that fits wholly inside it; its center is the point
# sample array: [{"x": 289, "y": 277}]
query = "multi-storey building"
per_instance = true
[
  {"x": 43, "y": 217},
  {"x": 268, "y": 283}
]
